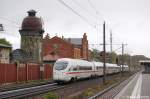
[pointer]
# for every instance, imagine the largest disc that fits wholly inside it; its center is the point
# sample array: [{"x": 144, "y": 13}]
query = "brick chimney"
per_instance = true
[
  {"x": 69, "y": 39},
  {"x": 85, "y": 36},
  {"x": 62, "y": 37},
  {"x": 47, "y": 36}
]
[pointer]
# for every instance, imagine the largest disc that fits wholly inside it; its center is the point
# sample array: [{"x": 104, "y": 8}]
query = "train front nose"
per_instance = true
[
  {"x": 59, "y": 69},
  {"x": 57, "y": 75}
]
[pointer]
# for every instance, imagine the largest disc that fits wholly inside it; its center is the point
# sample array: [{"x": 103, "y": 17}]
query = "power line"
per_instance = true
[
  {"x": 92, "y": 6},
  {"x": 8, "y": 33},
  {"x": 84, "y": 8},
  {"x": 10, "y": 25},
  {"x": 75, "y": 12},
  {"x": 12, "y": 21},
  {"x": 96, "y": 11}
]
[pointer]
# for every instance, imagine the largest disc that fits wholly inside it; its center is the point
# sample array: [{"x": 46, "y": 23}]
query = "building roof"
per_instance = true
[
  {"x": 31, "y": 22},
  {"x": 5, "y": 46},
  {"x": 19, "y": 55},
  {"x": 144, "y": 61},
  {"x": 50, "y": 57},
  {"x": 75, "y": 41}
]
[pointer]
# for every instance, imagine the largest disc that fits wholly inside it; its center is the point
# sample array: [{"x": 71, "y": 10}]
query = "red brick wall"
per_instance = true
[
  {"x": 77, "y": 53},
  {"x": 58, "y": 45}
]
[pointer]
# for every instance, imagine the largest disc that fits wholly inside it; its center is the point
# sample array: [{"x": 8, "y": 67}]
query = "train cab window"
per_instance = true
[
  {"x": 60, "y": 65},
  {"x": 70, "y": 69},
  {"x": 75, "y": 68}
]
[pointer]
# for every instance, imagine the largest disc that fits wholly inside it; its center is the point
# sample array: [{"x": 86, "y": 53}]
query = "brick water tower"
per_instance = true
[{"x": 31, "y": 37}]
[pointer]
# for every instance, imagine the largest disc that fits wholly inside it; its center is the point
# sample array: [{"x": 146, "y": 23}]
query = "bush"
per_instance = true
[
  {"x": 89, "y": 92},
  {"x": 51, "y": 95}
]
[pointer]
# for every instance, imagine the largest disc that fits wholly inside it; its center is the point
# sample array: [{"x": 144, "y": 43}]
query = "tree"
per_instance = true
[
  {"x": 113, "y": 57},
  {"x": 4, "y": 41},
  {"x": 95, "y": 55}
]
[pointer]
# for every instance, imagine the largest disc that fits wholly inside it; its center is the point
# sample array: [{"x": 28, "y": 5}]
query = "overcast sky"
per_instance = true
[{"x": 129, "y": 21}]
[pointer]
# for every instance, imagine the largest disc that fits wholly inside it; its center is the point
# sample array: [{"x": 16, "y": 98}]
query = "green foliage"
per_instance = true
[
  {"x": 132, "y": 61},
  {"x": 89, "y": 92},
  {"x": 4, "y": 41},
  {"x": 51, "y": 95},
  {"x": 112, "y": 58},
  {"x": 95, "y": 55}
]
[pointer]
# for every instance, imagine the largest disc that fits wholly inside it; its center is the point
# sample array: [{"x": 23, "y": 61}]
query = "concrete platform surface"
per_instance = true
[{"x": 137, "y": 88}]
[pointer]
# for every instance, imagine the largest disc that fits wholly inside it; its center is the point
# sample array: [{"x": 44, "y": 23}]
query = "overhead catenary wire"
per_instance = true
[
  {"x": 12, "y": 21},
  {"x": 13, "y": 24},
  {"x": 75, "y": 12},
  {"x": 79, "y": 5},
  {"x": 99, "y": 15},
  {"x": 10, "y": 25},
  {"x": 8, "y": 33},
  {"x": 93, "y": 15}
]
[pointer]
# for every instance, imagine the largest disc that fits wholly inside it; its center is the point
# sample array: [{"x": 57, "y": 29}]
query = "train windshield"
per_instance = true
[{"x": 61, "y": 65}]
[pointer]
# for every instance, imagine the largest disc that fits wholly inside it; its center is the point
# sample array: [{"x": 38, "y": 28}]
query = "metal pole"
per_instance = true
[
  {"x": 110, "y": 46},
  {"x": 130, "y": 64},
  {"x": 122, "y": 57},
  {"x": 104, "y": 54},
  {"x": 111, "y": 41},
  {"x": 41, "y": 59}
]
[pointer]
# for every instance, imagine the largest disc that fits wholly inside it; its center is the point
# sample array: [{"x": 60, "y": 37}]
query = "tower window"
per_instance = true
[{"x": 30, "y": 53}]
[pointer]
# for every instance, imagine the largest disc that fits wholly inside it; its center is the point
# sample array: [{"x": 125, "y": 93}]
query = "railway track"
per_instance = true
[
  {"x": 75, "y": 89},
  {"x": 26, "y": 85},
  {"x": 35, "y": 90},
  {"x": 112, "y": 91},
  {"x": 26, "y": 92},
  {"x": 64, "y": 89}
]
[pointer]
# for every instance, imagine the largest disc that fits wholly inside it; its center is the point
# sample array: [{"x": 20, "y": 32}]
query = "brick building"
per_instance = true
[{"x": 65, "y": 47}]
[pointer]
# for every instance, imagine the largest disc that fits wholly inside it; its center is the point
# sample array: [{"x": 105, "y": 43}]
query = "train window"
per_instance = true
[
  {"x": 85, "y": 68},
  {"x": 60, "y": 65},
  {"x": 99, "y": 68}
]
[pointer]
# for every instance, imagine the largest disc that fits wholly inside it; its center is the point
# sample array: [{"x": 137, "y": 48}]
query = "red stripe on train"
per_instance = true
[{"x": 80, "y": 72}]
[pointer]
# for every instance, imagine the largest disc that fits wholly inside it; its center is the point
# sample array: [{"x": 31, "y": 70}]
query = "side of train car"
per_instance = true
[{"x": 67, "y": 69}]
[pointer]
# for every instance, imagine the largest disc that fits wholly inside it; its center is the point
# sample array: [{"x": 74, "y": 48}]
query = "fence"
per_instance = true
[{"x": 10, "y": 73}]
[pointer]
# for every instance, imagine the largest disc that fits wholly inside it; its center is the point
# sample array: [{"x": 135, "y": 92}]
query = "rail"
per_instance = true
[
  {"x": 26, "y": 92},
  {"x": 113, "y": 90}
]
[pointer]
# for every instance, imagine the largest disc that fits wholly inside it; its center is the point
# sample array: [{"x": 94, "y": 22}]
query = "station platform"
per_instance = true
[{"x": 137, "y": 88}]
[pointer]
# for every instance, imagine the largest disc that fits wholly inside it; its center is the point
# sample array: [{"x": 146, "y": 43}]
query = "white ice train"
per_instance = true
[{"x": 66, "y": 69}]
